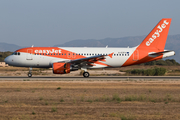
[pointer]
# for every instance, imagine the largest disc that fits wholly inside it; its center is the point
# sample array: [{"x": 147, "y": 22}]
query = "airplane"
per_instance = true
[{"x": 63, "y": 60}]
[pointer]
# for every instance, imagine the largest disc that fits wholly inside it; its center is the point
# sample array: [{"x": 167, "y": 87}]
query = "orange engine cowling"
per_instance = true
[{"x": 61, "y": 68}]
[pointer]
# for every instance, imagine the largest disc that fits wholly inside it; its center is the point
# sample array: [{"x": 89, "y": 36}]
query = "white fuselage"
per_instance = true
[{"x": 120, "y": 55}]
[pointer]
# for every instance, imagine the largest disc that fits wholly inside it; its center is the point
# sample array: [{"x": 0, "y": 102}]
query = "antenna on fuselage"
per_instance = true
[
  {"x": 32, "y": 46},
  {"x": 106, "y": 46}
]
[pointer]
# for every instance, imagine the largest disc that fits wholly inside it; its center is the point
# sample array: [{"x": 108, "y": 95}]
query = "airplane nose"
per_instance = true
[{"x": 7, "y": 60}]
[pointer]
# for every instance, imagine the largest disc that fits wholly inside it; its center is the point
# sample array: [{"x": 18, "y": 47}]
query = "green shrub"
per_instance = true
[
  {"x": 61, "y": 100},
  {"x": 59, "y": 88},
  {"x": 89, "y": 101},
  {"x": 54, "y": 109},
  {"x": 33, "y": 113},
  {"x": 167, "y": 62},
  {"x": 149, "y": 72},
  {"x": 116, "y": 98}
]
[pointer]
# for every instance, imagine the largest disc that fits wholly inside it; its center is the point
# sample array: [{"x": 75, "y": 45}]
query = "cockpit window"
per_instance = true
[{"x": 16, "y": 53}]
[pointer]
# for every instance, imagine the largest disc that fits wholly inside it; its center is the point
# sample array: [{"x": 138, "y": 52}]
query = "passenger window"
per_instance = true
[
  {"x": 18, "y": 53},
  {"x": 122, "y": 54}
]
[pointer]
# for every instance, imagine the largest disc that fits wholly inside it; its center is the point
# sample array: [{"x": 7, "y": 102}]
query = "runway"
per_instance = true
[{"x": 81, "y": 78}]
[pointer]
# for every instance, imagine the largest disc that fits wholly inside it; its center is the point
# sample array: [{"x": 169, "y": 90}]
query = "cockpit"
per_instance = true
[{"x": 16, "y": 53}]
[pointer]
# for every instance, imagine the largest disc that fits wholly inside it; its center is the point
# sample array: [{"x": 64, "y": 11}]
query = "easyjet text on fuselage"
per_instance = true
[{"x": 47, "y": 51}]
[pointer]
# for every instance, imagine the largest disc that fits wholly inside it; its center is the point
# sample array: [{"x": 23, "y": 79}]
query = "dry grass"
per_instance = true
[{"x": 90, "y": 100}]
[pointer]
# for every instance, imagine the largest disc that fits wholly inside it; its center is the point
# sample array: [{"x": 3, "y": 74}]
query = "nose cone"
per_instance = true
[{"x": 7, "y": 60}]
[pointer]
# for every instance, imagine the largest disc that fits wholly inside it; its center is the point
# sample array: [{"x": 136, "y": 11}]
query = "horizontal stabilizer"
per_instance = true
[{"x": 164, "y": 53}]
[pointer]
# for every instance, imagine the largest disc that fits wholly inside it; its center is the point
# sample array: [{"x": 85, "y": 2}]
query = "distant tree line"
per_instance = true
[
  {"x": 3, "y": 55},
  {"x": 167, "y": 62}
]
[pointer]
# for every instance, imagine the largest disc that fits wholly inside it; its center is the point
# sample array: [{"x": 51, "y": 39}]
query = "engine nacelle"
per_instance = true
[{"x": 61, "y": 68}]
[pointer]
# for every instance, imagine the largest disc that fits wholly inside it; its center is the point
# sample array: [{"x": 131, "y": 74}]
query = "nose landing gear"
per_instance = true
[{"x": 30, "y": 72}]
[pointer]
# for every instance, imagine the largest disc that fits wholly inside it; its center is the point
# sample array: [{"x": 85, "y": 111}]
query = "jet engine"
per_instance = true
[{"x": 63, "y": 68}]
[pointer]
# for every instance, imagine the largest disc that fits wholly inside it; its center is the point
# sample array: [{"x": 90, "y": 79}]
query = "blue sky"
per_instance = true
[{"x": 50, "y": 22}]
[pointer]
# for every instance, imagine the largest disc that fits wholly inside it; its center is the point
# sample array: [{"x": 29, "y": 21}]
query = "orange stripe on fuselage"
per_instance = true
[
  {"x": 142, "y": 57},
  {"x": 54, "y": 52}
]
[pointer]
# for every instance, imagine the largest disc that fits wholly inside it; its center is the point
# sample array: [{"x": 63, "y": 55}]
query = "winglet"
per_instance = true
[{"x": 110, "y": 55}]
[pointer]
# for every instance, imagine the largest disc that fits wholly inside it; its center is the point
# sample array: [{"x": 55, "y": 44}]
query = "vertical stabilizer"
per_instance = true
[
  {"x": 153, "y": 43},
  {"x": 157, "y": 37}
]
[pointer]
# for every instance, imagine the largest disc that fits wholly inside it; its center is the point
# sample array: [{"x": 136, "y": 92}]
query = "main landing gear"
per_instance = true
[
  {"x": 30, "y": 72},
  {"x": 86, "y": 74}
]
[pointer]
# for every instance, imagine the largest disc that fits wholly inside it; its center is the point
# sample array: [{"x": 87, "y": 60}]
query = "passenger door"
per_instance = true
[{"x": 29, "y": 54}]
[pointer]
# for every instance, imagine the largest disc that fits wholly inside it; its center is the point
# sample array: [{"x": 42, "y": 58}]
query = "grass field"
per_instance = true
[{"x": 125, "y": 100}]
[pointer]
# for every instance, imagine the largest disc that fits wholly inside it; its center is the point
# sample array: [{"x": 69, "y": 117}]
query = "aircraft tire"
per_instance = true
[
  {"x": 29, "y": 75},
  {"x": 86, "y": 74}
]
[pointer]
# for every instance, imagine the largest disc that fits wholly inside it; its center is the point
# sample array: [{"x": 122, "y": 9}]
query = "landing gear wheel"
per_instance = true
[
  {"x": 86, "y": 74},
  {"x": 29, "y": 74}
]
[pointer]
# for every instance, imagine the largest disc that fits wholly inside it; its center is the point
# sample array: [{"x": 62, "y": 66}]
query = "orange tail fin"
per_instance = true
[
  {"x": 157, "y": 37},
  {"x": 153, "y": 43}
]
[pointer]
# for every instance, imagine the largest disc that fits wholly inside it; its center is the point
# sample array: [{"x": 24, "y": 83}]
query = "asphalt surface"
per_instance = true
[{"x": 81, "y": 78}]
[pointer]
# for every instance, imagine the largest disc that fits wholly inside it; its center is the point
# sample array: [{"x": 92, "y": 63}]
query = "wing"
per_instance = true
[{"x": 89, "y": 60}]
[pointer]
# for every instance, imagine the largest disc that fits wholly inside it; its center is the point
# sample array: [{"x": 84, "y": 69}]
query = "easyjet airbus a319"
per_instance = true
[{"x": 66, "y": 59}]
